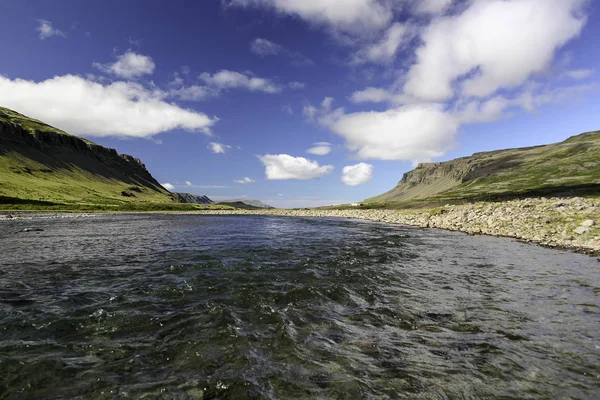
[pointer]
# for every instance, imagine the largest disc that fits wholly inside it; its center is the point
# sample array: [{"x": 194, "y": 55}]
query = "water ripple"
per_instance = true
[{"x": 208, "y": 307}]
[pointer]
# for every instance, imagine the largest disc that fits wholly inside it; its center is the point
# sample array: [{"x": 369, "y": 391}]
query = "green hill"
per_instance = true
[
  {"x": 567, "y": 168},
  {"x": 42, "y": 165}
]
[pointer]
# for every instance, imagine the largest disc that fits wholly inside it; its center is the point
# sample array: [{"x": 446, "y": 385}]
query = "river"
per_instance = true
[{"x": 263, "y": 307}]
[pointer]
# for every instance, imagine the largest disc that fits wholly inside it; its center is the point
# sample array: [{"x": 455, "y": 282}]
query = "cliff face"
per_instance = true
[
  {"x": 192, "y": 198},
  {"x": 556, "y": 168},
  {"x": 38, "y": 161}
]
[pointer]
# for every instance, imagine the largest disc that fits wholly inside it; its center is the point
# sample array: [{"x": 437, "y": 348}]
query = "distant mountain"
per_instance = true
[
  {"x": 192, "y": 198},
  {"x": 253, "y": 203},
  {"x": 571, "y": 167},
  {"x": 41, "y": 163},
  {"x": 239, "y": 204}
]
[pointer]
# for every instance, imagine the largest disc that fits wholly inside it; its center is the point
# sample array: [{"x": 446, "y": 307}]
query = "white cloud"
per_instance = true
[
  {"x": 129, "y": 65},
  {"x": 193, "y": 93},
  {"x": 371, "y": 95},
  {"x": 320, "y": 149},
  {"x": 345, "y": 15},
  {"x": 226, "y": 79},
  {"x": 415, "y": 133},
  {"x": 46, "y": 29},
  {"x": 295, "y": 85},
  {"x": 84, "y": 107},
  {"x": 245, "y": 180},
  {"x": 493, "y": 44},
  {"x": 188, "y": 183},
  {"x": 358, "y": 174},
  {"x": 264, "y": 47},
  {"x": 579, "y": 73},
  {"x": 385, "y": 50},
  {"x": 494, "y": 108},
  {"x": 284, "y": 166},
  {"x": 168, "y": 186},
  {"x": 218, "y": 148}
]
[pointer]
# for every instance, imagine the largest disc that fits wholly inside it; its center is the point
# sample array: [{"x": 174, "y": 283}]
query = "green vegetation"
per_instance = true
[
  {"x": 569, "y": 168},
  {"x": 44, "y": 167}
]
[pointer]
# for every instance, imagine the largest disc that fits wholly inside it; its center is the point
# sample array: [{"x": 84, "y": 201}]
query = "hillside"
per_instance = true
[
  {"x": 567, "y": 168},
  {"x": 192, "y": 198},
  {"x": 252, "y": 203},
  {"x": 240, "y": 205},
  {"x": 39, "y": 163}
]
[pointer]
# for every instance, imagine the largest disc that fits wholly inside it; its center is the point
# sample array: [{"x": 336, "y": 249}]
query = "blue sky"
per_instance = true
[{"x": 302, "y": 103}]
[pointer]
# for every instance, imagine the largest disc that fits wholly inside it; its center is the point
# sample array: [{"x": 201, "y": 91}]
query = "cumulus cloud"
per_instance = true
[
  {"x": 284, "y": 166},
  {"x": 46, "y": 30},
  {"x": 476, "y": 64},
  {"x": 371, "y": 95},
  {"x": 493, "y": 44},
  {"x": 358, "y": 174},
  {"x": 384, "y": 50},
  {"x": 226, "y": 79},
  {"x": 168, "y": 186},
  {"x": 245, "y": 180},
  {"x": 218, "y": 148},
  {"x": 188, "y": 183},
  {"x": 320, "y": 149},
  {"x": 129, "y": 65},
  {"x": 86, "y": 107},
  {"x": 415, "y": 132},
  {"x": 350, "y": 16}
]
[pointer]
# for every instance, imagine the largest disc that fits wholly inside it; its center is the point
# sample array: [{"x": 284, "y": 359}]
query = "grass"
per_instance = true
[
  {"x": 12, "y": 204},
  {"x": 71, "y": 172}
]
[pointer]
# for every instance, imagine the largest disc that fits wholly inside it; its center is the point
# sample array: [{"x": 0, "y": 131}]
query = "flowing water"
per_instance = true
[{"x": 232, "y": 307}]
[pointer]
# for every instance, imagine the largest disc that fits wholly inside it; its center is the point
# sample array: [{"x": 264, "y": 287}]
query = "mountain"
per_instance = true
[
  {"x": 192, "y": 198},
  {"x": 239, "y": 204},
  {"x": 253, "y": 203},
  {"x": 571, "y": 167},
  {"x": 41, "y": 163}
]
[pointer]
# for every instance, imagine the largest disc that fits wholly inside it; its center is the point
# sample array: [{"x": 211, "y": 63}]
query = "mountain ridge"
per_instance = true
[
  {"x": 42, "y": 163},
  {"x": 569, "y": 166}
]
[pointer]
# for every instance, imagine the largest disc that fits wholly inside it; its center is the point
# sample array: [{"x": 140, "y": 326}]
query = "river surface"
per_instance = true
[{"x": 236, "y": 307}]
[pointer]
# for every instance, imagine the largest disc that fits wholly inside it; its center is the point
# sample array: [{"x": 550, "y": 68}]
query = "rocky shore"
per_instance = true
[
  {"x": 570, "y": 223},
  {"x": 16, "y": 215}
]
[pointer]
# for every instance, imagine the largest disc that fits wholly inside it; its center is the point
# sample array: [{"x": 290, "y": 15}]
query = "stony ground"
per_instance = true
[{"x": 572, "y": 223}]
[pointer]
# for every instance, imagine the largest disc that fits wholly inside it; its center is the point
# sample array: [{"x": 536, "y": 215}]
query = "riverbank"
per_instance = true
[{"x": 569, "y": 223}]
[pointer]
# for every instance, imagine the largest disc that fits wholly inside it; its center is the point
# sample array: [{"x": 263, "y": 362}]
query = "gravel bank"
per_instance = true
[
  {"x": 571, "y": 223},
  {"x": 9, "y": 215}
]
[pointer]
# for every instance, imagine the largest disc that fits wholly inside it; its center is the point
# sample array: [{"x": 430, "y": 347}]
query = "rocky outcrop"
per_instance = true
[
  {"x": 565, "y": 167},
  {"x": 191, "y": 198},
  {"x": 571, "y": 223}
]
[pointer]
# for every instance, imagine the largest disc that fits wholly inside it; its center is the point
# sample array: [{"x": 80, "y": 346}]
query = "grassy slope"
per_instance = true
[
  {"x": 58, "y": 177},
  {"x": 571, "y": 167}
]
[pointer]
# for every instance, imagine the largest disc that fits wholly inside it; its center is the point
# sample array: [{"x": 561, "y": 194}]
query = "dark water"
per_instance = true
[{"x": 281, "y": 308}]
